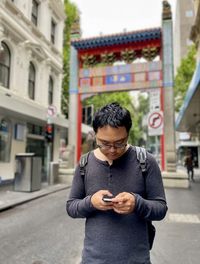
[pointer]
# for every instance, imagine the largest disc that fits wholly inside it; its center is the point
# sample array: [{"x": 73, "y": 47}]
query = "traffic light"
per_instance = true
[{"x": 49, "y": 129}]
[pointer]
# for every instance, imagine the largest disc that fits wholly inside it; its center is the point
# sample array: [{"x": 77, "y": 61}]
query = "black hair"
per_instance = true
[{"x": 112, "y": 115}]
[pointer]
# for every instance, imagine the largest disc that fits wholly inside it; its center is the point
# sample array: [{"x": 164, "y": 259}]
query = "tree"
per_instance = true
[
  {"x": 127, "y": 101},
  {"x": 72, "y": 14},
  {"x": 184, "y": 76}
]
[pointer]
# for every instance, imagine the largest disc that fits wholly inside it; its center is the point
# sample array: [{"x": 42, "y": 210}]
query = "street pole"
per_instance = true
[{"x": 49, "y": 147}]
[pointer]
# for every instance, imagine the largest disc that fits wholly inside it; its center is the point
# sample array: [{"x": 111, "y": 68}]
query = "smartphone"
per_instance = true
[{"x": 107, "y": 198}]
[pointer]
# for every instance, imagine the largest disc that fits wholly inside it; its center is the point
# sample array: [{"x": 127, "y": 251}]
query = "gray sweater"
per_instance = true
[{"x": 112, "y": 238}]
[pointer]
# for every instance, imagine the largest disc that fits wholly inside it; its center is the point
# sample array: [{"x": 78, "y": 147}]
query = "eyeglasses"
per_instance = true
[{"x": 109, "y": 146}]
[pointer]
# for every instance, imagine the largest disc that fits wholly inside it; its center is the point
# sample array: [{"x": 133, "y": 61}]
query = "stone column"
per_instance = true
[
  {"x": 168, "y": 78},
  {"x": 172, "y": 178},
  {"x": 73, "y": 106}
]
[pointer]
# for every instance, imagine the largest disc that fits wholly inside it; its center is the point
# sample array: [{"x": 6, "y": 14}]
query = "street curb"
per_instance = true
[{"x": 33, "y": 196}]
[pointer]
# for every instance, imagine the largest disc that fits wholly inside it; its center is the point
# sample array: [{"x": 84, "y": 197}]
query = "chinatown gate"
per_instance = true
[{"x": 155, "y": 73}]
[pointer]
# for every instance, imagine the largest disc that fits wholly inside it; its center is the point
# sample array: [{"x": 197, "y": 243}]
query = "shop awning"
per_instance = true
[
  {"x": 12, "y": 105},
  {"x": 188, "y": 119}
]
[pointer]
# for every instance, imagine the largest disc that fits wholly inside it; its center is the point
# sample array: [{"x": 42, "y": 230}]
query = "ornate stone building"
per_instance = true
[{"x": 31, "y": 42}]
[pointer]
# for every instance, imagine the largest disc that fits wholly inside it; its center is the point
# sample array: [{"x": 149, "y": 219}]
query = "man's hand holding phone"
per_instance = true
[
  {"x": 124, "y": 203},
  {"x": 102, "y": 200}
]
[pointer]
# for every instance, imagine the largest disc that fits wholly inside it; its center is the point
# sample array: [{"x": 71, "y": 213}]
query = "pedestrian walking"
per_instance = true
[
  {"x": 189, "y": 164},
  {"x": 116, "y": 199}
]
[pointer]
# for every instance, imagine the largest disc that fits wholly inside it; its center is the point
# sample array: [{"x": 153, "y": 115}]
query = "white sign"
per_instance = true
[
  {"x": 51, "y": 111},
  {"x": 154, "y": 100},
  {"x": 155, "y": 123}
]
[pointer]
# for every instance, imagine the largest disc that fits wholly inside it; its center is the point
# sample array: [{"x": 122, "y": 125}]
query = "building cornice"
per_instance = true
[
  {"x": 58, "y": 8},
  {"x": 27, "y": 109}
]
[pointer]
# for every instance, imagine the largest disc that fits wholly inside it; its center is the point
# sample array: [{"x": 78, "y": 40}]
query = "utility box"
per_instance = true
[
  {"x": 28, "y": 172},
  {"x": 54, "y": 169}
]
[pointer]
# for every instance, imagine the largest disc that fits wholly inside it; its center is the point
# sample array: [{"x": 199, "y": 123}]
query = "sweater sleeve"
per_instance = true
[
  {"x": 153, "y": 206},
  {"x": 78, "y": 205}
]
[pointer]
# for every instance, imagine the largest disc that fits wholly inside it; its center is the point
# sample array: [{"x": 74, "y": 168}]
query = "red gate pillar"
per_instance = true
[{"x": 79, "y": 135}]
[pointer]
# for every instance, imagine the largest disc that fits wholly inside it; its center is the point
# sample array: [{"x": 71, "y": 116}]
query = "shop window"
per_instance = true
[
  {"x": 31, "y": 81},
  {"x": 19, "y": 132},
  {"x": 5, "y": 59},
  {"x": 35, "y": 129},
  {"x": 50, "y": 92},
  {"x": 5, "y": 140}
]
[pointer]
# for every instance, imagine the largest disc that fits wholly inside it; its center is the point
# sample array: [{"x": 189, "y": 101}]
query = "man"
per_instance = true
[
  {"x": 190, "y": 166},
  {"x": 116, "y": 231}
]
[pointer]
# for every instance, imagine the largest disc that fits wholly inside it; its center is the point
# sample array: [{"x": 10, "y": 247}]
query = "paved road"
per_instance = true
[{"x": 40, "y": 232}]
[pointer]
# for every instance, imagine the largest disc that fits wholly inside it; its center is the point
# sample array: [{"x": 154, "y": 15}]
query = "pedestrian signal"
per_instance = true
[{"x": 49, "y": 133}]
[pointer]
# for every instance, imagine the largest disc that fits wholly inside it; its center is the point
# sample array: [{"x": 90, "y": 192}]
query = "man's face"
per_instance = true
[{"x": 112, "y": 141}]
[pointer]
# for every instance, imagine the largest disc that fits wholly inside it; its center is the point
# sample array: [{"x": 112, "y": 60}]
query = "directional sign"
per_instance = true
[{"x": 155, "y": 123}]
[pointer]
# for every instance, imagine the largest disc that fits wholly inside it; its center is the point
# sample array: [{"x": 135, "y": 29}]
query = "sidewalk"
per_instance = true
[
  {"x": 177, "y": 237},
  {"x": 10, "y": 198}
]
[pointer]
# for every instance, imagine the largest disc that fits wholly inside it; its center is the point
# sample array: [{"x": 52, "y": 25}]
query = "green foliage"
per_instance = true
[
  {"x": 184, "y": 76},
  {"x": 124, "y": 99},
  {"x": 72, "y": 14}
]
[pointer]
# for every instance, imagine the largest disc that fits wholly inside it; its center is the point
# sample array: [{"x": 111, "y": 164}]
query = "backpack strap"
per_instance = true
[
  {"x": 83, "y": 162},
  {"x": 141, "y": 157}
]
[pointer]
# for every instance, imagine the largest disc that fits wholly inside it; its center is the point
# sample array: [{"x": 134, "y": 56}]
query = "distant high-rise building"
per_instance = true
[{"x": 184, "y": 18}]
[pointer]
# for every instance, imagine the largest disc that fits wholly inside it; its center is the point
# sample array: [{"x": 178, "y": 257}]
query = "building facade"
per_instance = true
[
  {"x": 188, "y": 119},
  {"x": 184, "y": 18},
  {"x": 31, "y": 43}
]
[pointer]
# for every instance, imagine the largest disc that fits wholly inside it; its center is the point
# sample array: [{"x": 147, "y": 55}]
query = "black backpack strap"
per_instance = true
[
  {"x": 83, "y": 162},
  {"x": 141, "y": 157}
]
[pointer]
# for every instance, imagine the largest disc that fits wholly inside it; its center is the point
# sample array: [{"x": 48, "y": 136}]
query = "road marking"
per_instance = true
[{"x": 184, "y": 218}]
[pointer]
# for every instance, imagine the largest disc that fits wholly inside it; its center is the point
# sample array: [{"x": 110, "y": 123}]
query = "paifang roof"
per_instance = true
[{"x": 117, "y": 39}]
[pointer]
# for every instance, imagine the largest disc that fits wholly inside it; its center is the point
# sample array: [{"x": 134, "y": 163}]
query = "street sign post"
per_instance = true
[{"x": 49, "y": 134}]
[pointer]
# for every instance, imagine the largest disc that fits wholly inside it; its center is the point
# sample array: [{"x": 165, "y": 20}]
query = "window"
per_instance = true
[
  {"x": 4, "y": 65},
  {"x": 53, "y": 31},
  {"x": 5, "y": 140},
  {"x": 87, "y": 114},
  {"x": 35, "y": 129},
  {"x": 34, "y": 15},
  {"x": 50, "y": 92},
  {"x": 31, "y": 82}
]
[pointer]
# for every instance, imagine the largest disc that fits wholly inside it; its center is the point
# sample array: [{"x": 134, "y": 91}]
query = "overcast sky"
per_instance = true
[{"x": 113, "y": 16}]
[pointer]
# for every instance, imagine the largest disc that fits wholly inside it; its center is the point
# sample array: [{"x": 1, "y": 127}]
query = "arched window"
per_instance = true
[
  {"x": 5, "y": 59},
  {"x": 31, "y": 81},
  {"x": 50, "y": 92}
]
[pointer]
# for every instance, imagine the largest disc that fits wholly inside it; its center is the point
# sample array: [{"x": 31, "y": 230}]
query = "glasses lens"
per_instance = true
[{"x": 115, "y": 146}]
